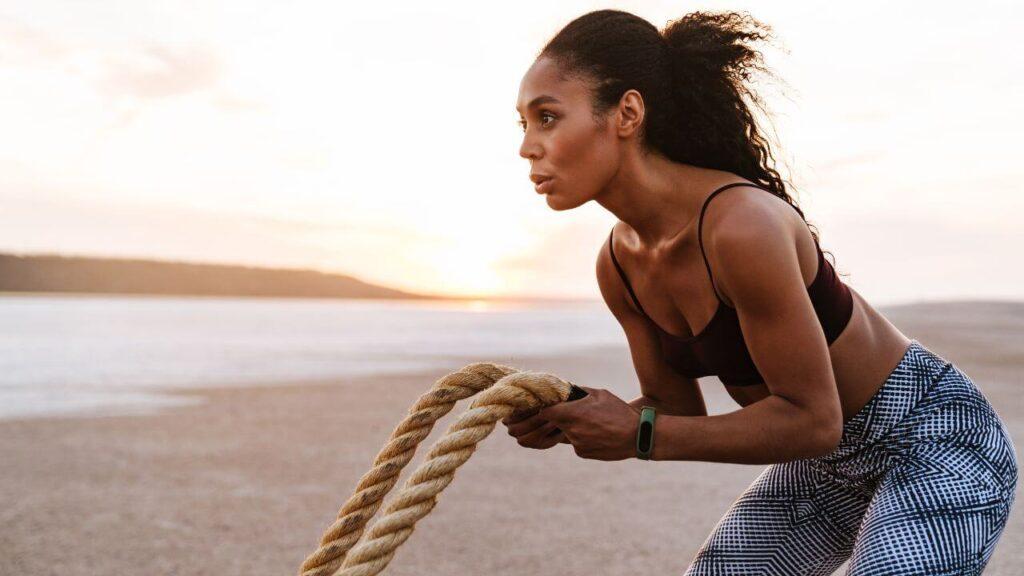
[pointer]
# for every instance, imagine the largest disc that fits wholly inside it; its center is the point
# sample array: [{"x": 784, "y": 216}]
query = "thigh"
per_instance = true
[
  {"x": 793, "y": 519},
  {"x": 941, "y": 510}
]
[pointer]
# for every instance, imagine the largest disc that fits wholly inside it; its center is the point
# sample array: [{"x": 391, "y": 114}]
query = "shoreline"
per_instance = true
[
  {"x": 171, "y": 397},
  {"x": 264, "y": 470},
  {"x": 248, "y": 480}
]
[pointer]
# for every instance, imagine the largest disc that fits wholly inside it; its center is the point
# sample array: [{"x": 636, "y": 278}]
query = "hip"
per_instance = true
[{"x": 930, "y": 412}]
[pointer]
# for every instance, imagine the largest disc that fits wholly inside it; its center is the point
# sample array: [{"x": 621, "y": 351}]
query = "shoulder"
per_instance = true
[
  {"x": 743, "y": 213},
  {"x": 611, "y": 285},
  {"x": 750, "y": 240},
  {"x": 739, "y": 208},
  {"x": 605, "y": 269}
]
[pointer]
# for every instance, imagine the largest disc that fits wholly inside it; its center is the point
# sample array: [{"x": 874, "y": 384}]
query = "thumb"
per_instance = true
[{"x": 560, "y": 412}]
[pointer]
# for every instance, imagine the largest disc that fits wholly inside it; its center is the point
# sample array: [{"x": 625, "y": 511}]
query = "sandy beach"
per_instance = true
[{"x": 245, "y": 482}]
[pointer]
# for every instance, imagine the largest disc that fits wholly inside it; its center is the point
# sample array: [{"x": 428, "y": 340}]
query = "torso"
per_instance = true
[
  {"x": 678, "y": 297},
  {"x": 862, "y": 357}
]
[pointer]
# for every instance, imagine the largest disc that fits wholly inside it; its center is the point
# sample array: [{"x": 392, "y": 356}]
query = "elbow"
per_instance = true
[
  {"x": 827, "y": 436},
  {"x": 822, "y": 427},
  {"x": 820, "y": 430}
]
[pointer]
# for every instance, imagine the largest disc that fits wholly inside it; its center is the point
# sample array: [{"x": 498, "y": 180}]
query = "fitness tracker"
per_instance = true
[{"x": 645, "y": 433}]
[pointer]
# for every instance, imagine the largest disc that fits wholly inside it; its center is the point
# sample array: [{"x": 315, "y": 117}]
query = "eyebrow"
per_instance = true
[{"x": 543, "y": 99}]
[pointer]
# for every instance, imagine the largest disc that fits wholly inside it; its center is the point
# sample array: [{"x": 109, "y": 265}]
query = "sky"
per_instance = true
[{"x": 381, "y": 140}]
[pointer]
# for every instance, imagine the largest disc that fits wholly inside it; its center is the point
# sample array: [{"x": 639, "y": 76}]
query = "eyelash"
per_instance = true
[{"x": 522, "y": 123}]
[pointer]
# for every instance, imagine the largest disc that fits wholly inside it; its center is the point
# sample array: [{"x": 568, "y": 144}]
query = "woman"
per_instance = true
[{"x": 880, "y": 451}]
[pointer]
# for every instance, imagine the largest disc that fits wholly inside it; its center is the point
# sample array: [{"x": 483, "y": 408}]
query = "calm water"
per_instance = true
[{"x": 79, "y": 354}]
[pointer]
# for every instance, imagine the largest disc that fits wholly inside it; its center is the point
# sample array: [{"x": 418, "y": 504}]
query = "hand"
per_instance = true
[
  {"x": 532, "y": 431},
  {"x": 600, "y": 426}
]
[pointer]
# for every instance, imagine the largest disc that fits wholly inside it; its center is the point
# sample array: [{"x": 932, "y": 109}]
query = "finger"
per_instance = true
[
  {"x": 540, "y": 432},
  {"x": 537, "y": 436},
  {"x": 552, "y": 439},
  {"x": 518, "y": 416},
  {"x": 561, "y": 412},
  {"x": 526, "y": 426}
]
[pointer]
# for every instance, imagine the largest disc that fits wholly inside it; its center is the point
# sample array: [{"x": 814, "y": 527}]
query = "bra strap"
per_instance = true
[
  {"x": 700, "y": 225},
  {"x": 622, "y": 274}
]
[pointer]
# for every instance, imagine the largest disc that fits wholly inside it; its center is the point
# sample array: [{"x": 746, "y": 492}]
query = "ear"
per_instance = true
[{"x": 631, "y": 113}]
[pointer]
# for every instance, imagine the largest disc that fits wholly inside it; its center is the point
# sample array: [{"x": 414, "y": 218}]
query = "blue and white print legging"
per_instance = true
[{"x": 921, "y": 483}]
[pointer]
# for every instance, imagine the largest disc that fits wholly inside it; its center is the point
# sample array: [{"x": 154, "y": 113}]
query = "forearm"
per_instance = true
[
  {"x": 666, "y": 408},
  {"x": 770, "y": 430}
]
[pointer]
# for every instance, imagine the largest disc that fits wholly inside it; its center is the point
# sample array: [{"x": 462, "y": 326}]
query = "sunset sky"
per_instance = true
[{"x": 380, "y": 139}]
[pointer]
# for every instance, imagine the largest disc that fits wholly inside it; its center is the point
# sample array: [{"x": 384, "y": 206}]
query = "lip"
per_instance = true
[{"x": 543, "y": 186}]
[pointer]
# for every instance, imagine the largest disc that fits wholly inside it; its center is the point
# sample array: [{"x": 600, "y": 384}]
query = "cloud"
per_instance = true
[
  {"x": 24, "y": 44},
  {"x": 161, "y": 72},
  {"x": 143, "y": 72}
]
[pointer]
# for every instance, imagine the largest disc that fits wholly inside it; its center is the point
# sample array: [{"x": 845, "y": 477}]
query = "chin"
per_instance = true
[
  {"x": 554, "y": 203},
  {"x": 560, "y": 203}
]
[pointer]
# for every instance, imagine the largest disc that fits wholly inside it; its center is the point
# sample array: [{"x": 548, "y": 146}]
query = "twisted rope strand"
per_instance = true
[
  {"x": 400, "y": 448},
  {"x": 515, "y": 392}
]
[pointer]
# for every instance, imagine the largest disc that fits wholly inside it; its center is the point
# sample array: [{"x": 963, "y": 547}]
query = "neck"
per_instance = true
[{"x": 657, "y": 197}]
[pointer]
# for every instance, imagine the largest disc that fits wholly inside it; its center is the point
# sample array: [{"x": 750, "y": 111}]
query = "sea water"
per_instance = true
[{"x": 108, "y": 354}]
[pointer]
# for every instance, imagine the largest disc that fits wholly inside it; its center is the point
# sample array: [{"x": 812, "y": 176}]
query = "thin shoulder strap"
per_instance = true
[
  {"x": 700, "y": 225},
  {"x": 621, "y": 272}
]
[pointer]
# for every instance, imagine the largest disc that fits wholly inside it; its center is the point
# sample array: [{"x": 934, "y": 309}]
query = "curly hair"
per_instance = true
[{"x": 693, "y": 77}]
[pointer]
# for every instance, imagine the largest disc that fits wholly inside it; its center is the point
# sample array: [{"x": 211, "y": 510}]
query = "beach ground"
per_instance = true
[{"x": 246, "y": 482}]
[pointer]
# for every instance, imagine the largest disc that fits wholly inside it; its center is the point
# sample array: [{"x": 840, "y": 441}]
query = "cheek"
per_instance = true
[
  {"x": 582, "y": 159},
  {"x": 598, "y": 168}
]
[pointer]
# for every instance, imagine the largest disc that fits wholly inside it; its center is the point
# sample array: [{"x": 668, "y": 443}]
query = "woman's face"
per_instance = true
[{"x": 561, "y": 139}]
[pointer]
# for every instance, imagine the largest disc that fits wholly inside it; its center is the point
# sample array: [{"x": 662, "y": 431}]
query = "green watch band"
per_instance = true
[{"x": 645, "y": 433}]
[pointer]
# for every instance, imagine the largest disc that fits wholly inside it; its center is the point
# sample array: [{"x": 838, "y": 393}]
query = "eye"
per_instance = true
[{"x": 522, "y": 123}]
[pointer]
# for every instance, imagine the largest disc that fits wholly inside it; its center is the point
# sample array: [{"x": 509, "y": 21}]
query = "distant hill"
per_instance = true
[{"x": 51, "y": 273}]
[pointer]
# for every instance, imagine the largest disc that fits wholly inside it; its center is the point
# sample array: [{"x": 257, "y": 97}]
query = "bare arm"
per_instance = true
[
  {"x": 756, "y": 264},
  {"x": 661, "y": 386}
]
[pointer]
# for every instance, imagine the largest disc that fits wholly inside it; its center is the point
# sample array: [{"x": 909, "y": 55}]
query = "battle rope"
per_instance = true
[{"x": 502, "y": 391}]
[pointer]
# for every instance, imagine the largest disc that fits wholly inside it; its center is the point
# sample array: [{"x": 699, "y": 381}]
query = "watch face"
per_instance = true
[
  {"x": 645, "y": 433},
  {"x": 644, "y": 440}
]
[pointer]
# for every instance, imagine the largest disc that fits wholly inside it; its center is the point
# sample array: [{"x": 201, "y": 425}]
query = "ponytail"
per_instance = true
[{"x": 694, "y": 78}]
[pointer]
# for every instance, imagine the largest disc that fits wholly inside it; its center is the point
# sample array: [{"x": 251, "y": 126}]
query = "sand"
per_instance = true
[{"x": 245, "y": 482}]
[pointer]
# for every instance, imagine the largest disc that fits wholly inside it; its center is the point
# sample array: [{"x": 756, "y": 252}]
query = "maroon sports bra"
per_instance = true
[{"x": 719, "y": 349}]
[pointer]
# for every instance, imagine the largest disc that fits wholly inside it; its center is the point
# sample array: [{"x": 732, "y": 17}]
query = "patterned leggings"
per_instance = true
[{"x": 922, "y": 483}]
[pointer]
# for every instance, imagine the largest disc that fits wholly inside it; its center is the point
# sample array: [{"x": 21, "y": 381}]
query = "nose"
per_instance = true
[{"x": 528, "y": 149}]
